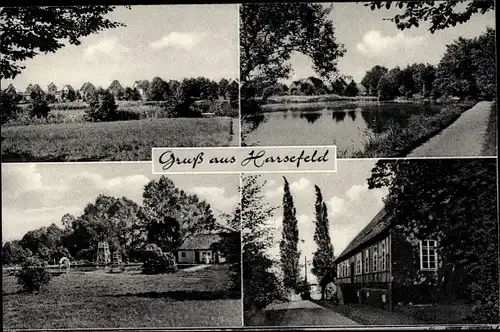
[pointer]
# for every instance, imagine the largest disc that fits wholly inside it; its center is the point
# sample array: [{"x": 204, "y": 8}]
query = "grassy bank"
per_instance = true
[
  {"x": 490, "y": 147},
  {"x": 399, "y": 141},
  {"x": 108, "y": 141},
  {"x": 103, "y": 300}
]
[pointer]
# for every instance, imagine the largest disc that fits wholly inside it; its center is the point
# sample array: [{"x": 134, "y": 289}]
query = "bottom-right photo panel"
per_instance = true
[{"x": 379, "y": 242}]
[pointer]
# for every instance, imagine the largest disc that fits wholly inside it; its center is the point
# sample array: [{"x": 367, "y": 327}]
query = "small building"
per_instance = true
[
  {"x": 52, "y": 89},
  {"x": 116, "y": 89},
  {"x": 66, "y": 91},
  {"x": 87, "y": 90},
  {"x": 11, "y": 90},
  {"x": 200, "y": 248},
  {"x": 36, "y": 91},
  {"x": 382, "y": 268},
  {"x": 362, "y": 91},
  {"x": 142, "y": 86}
]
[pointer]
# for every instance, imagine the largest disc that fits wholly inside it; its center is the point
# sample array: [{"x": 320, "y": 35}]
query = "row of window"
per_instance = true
[{"x": 379, "y": 260}]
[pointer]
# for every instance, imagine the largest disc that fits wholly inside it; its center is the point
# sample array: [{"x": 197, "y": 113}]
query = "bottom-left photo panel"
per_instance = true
[{"x": 111, "y": 245}]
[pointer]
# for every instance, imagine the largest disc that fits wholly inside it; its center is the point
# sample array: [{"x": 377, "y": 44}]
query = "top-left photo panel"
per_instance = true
[{"x": 108, "y": 83}]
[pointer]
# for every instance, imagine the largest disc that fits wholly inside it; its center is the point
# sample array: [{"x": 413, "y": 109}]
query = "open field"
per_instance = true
[
  {"x": 99, "y": 299},
  {"x": 120, "y": 140}
]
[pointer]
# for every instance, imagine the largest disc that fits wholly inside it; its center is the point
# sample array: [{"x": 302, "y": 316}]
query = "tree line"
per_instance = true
[
  {"x": 262, "y": 285},
  {"x": 166, "y": 218},
  {"x": 466, "y": 70}
]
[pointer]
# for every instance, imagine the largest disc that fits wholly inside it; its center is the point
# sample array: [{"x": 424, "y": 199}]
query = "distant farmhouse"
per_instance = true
[
  {"x": 116, "y": 89},
  {"x": 87, "y": 91},
  {"x": 382, "y": 268},
  {"x": 11, "y": 90},
  {"x": 142, "y": 86},
  {"x": 362, "y": 91},
  {"x": 203, "y": 248}
]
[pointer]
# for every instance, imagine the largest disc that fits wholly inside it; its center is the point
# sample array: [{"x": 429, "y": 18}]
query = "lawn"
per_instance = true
[
  {"x": 111, "y": 141},
  {"x": 130, "y": 299}
]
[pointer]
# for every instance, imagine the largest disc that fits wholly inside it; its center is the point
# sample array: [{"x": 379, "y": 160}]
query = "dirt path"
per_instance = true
[
  {"x": 303, "y": 313},
  {"x": 195, "y": 268},
  {"x": 464, "y": 137},
  {"x": 235, "y": 138}
]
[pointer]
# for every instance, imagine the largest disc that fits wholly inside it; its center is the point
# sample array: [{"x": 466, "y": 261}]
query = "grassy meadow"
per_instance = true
[
  {"x": 111, "y": 141},
  {"x": 129, "y": 299}
]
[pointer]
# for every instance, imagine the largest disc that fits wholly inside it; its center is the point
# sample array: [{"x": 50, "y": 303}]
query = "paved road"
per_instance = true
[
  {"x": 464, "y": 137},
  {"x": 305, "y": 313}
]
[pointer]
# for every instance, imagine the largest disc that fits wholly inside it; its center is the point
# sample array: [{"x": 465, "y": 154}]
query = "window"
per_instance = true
[
  {"x": 183, "y": 254},
  {"x": 358, "y": 263},
  {"x": 384, "y": 258},
  {"x": 428, "y": 255},
  {"x": 375, "y": 257},
  {"x": 367, "y": 254}
]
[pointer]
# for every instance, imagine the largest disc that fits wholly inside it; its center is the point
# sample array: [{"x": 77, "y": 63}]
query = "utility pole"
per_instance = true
[{"x": 305, "y": 267}]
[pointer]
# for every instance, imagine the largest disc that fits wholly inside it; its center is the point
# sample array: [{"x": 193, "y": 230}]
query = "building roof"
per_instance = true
[
  {"x": 37, "y": 89},
  {"x": 10, "y": 89},
  {"x": 200, "y": 241},
  {"x": 143, "y": 84},
  {"x": 69, "y": 87},
  {"x": 375, "y": 227},
  {"x": 361, "y": 87},
  {"x": 115, "y": 85},
  {"x": 87, "y": 86},
  {"x": 51, "y": 85}
]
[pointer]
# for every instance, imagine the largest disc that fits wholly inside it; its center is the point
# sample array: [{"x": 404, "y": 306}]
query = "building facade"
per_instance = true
[{"x": 383, "y": 268}]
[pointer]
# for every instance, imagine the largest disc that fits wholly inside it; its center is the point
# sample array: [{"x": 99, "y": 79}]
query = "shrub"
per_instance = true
[
  {"x": 50, "y": 99},
  {"x": 102, "y": 107},
  {"x": 33, "y": 275},
  {"x": 39, "y": 108},
  {"x": 156, "y": 261},
  {"x": 9, "y": 107}
]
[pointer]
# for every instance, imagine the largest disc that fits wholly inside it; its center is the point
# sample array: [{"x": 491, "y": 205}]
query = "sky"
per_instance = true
[
  {"x": 170, "y": 41},
  {"x": 351, "y": 205},
  {"x": 369, "y": 40},
  {"x": 37, "y": 195}
]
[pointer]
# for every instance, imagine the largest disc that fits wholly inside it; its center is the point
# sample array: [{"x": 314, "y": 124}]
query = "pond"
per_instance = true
[{"x": 347, "y": 126}]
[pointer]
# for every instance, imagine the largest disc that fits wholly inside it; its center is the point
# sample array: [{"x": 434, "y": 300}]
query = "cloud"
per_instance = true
[
  {"x": 336, "y": 205},
  {"x": 376, "y": 44},
  {"x": 217, "y": 198},
  {"x": 18, "y": 222},
  {"x": 179, "y": 40},
  {"x": 106, "y": 46}
]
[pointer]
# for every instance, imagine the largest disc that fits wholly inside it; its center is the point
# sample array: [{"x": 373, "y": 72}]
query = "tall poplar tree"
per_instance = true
[
  {"x": 323, "y": 258},
  {"x": 288, "y": 246}
]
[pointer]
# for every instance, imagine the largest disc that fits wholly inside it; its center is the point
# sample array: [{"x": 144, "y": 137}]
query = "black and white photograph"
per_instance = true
[
  {"x": 380, "y": 242},
  {"x": 113, "y": 246},
  {"x": 108, "y": 83},
  {"x": 376, "y": 78}
]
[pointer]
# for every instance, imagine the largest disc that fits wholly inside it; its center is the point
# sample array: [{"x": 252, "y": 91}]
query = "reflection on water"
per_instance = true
[{"x": 343, "y": 126}]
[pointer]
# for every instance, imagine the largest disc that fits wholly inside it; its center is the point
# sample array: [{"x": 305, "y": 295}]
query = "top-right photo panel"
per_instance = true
[{"x": 378, "y": 79}]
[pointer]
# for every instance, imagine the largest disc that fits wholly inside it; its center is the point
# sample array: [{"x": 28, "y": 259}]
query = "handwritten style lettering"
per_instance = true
[
  {"x": 258, "y": 160},
  {"x": 168, "y": 159}
]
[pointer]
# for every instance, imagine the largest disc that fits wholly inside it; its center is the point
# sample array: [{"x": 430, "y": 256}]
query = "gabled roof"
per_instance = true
[
  {"x": 87, "y": 86},
  {"x": 37, "y": 89},
  {"x": 51, "y": 86},
  {"x": 361, "y": 87},
  {"x": 115, "y": 85},
  {"x": 69, "y": 87},
  {"x": 143, "y": 84},
  {"x": 10, "y": 89},
  {"x": 29, "y": 88},
  {"x": 200, "y": 241},
  {"x": 376, "y": 226}
]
